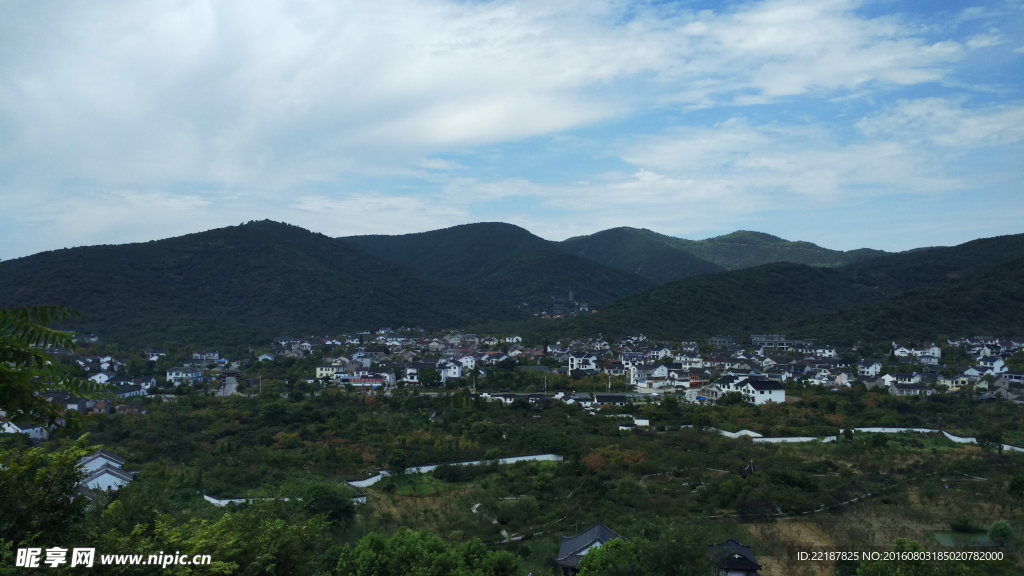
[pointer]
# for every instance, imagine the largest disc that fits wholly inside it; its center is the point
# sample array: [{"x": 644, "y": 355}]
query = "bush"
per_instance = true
[{"x": 333, "y": 501}]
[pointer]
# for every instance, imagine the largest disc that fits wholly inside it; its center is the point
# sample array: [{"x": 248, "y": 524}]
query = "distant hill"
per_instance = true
[
  {"x": 744, "y": 249},
  {"x": 505, "y": 262},
  {"x": 641, "y": 252},
  {"x": 750, "y": 300},
  {"x": 989, "y": 302},
  {"x": 238, "y": 284},
  {"x": 862, "y": 299}
]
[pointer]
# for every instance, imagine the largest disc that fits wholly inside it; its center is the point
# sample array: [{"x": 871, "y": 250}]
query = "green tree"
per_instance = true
[
  {"x": 38, "y": 495},
  {"x": 397, "y": 463},
  {"x": 990, "y": 441},
  {"x": 263, "y": 538},
  {"x": 663, "y": 550},
  {"x": 430, "y": 377},
  {"x": 1016, "y": 362},
  {"x": 1001, "y": 532},
  {"x": 331, "y": 500},
  {"x": 1016, "y": 487},
  {"x": 26, "y": 369},
  {"x": 423, "y": 554},
  {"x": 730, "y": 399}
]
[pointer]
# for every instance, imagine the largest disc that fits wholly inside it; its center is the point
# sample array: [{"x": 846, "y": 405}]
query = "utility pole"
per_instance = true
[{"x": 609, "y": 383}]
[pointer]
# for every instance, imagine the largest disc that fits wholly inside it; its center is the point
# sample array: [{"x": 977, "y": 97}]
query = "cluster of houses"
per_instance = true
[{"x": 756, "y": 370}]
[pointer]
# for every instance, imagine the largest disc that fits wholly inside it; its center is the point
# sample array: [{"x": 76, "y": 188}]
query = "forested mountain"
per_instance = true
[
  {"x": 665, "y": 258},
  {"x": 971, "y": 287},
  {"x": 251, "y": 282},
  {"x": 237, "y": 284},
  {"x": 988, "y": 302},
  {"x": 642, "y": 252},
  {"x": 505, "y": 262},
  {"x": 744, "y": 249}
]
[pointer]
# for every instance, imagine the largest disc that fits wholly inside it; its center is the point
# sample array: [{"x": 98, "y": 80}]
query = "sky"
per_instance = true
[{"x": 885, "y": 124}]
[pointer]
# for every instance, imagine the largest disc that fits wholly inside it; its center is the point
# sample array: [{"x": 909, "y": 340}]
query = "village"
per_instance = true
[{"x": 625, "y": 370}]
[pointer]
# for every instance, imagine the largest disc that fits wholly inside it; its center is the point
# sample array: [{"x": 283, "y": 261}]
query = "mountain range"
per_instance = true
[{"x": 249, "y": 283}]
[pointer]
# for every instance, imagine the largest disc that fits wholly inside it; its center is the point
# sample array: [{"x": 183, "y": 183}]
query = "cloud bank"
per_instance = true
[{"x": 125, "y": 120}]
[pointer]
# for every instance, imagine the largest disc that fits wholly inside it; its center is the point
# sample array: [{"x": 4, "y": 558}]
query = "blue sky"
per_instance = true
[{"x": 880, "y": 124}]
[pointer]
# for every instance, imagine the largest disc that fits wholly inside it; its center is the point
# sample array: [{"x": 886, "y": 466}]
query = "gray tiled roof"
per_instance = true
[{"x": 569, "y": 553}]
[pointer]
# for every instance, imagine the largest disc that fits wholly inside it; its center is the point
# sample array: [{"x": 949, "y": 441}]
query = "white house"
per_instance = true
[
  {"x": 146, "y": 382},
  {"x": 932, "y": 350},
  {"x": 96, "y": 460},
  {"x": 30, "y": 430},
  {"x": 468, "y": 362},
  {"x": 449, "y": 370},
  {"x": 689, "y": 361},
  {"x": 102, "y": 377},
  {"x": 582, "y": 361},
  {"x": 328, "y": 371},
  {"x": 129, "y": 391},
  {"x": 184, "y": 375},
  {"x": 107, "y": 477},
  {"x": 993, "y": 363},
  {"x": 759, "y": 392},
  {"x": 513, "y": 339}
]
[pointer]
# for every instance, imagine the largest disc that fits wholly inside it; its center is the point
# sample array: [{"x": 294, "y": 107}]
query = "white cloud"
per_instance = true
[
  {"x": 301, "y": 110},
  {"x": 271, "y": 94},
  {"x": 945, "y": 123},
  {"x": 979, "y": 41}
]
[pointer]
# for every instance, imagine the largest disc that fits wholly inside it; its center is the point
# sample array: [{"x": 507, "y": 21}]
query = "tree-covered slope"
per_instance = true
[
  {"x": 749, "y": 300},
  {"x": 505, "y": 262},
  {"x": 641, "y": 252},
  {"x": 987, "y": 302},
  {"x": 237, "y": 284},
  {"x": 965, "y": 288},
  {"x": 744, "y": 249}
]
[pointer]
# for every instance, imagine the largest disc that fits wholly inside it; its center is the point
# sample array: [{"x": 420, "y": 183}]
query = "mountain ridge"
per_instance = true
[
  {"x": 237, "y": 284},
  {"x": 506, "y": 261}
]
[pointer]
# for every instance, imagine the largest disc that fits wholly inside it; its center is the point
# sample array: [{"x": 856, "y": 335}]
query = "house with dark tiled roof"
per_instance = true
[
  {"x": 733, "y": 559},
  {"x": 574, "y": 548}
]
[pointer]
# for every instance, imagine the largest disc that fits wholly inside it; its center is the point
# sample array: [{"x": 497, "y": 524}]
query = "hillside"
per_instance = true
[
  {"x": 749, "y": 300},
  {"x": 990, "y": 302},
  {"x": 641, "y": 252},
  {"x": 744, "y": 249},
  {"x": 238, "y": 284},
  {"x": 505, "y": 262},
  {"x": 971, "y": 287}
]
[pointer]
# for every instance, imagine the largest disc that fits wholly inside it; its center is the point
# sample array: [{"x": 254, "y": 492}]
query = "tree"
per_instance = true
[
  {"x": 673, "y": 550},
  {"x": 1016, "y": 487},
  {"x": 39, "y": 496},
  {"x": 990, "y": 441},
  {"x": 397, "y": 462},
  {"x": 730, "y": 399},
  {"x": 26, "y": 369},
  {"x": 430, "y": 377},
  {"x": 1001, "y": 532},
  {"x": 423, "y": 554},
  {"x": 1016, "y": 362},
  {"x": 331, "y": 500}
]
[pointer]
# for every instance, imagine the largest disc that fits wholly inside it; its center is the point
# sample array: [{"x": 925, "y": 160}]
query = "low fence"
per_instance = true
[
  {"x": 760, "y": 438},
  {"x": 430, "y": 468}
]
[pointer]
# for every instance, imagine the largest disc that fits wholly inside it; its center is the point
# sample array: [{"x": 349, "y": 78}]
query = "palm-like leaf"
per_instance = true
[{"x": 27, "y": 370}]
